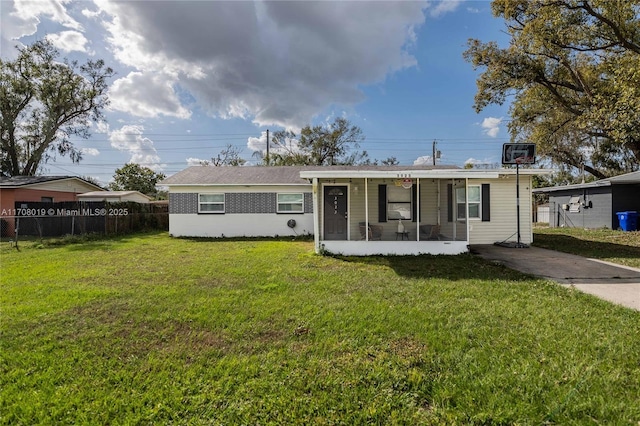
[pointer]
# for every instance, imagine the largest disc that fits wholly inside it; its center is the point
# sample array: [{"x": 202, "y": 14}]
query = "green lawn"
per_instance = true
[
  {"x": 147, "y": 329},
  {"x": 604, "y": 244}
]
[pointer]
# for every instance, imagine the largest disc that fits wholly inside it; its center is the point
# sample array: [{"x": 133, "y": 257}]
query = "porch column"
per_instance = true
[
  {"x": 439, "y": 207},
  {"x": 454, "y": 213},
  {"x": 366, "y": 208},
  {"x": 417, "y": 209},
  {"x": 466, "y": 206},
  {"x": 316, "y": 214}
]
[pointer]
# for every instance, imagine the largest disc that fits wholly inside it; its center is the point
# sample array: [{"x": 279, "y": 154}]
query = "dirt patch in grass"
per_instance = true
[
  {"x": 117, "y": 332},
  {"x": 412, "y": 351}
]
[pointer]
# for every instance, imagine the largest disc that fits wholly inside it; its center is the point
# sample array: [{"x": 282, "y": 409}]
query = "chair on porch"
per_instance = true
[
  {"x": 429, "y": 232},
  {"x": 375, "y": 232}
]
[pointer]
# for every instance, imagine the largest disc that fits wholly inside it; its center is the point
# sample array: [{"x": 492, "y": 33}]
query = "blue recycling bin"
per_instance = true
[{"x": 628, "y": 220}]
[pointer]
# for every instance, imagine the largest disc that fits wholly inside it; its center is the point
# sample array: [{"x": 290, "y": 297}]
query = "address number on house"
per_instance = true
[{"x": 64, "y": 212}]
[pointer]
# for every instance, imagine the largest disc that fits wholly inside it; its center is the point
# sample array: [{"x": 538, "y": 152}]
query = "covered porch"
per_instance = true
[{"x": 391, "y": 212}]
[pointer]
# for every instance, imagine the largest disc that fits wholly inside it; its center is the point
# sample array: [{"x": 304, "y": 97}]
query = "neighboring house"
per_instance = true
[
  {"x": 355, "y": 210},
  {"x": 593, "y": 204},
  {"x": 47, "y": 189},
  {"x": 115, "y": 196}
]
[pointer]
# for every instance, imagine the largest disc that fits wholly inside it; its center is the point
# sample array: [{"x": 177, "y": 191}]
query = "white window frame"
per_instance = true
[
  {"x": 299, "y": 202},
  {"x": 211, "y": 203},
  {"x": 461, "y": 205}
]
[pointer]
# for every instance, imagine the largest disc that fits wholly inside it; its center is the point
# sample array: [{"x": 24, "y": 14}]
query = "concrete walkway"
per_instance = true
[{"x": 615, "y": 283}]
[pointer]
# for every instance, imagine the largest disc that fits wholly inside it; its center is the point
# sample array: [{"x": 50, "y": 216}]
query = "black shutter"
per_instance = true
[
  {"x": 414, "y": 205},
  {"x": 382, "y": 203},
  {"x": 449, "y": 202},
  {"x": 486, "y": 203}
]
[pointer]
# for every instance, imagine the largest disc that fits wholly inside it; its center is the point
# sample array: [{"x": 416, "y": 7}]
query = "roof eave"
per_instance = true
[
  {"x": 424, "y": 174},
  {"x": 233, "y": 184}
]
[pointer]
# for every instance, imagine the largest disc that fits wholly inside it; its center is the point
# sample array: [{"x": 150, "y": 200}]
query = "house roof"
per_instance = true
[
  {"x": 420, "y": 172},
  {"x": 112, "y": 194},
  {"x": 11, "y": 182},
  {"x": 240, "y": 175},
  {"x": 625, "y": 179},
  {"x": 299, "y": 175}
]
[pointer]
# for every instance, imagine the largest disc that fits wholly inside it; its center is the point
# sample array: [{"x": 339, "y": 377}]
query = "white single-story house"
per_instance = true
[
  {"x": 115, "y": 196},
  {"x": 356, "y": 210},
  {"x": 208, "y": 201}
]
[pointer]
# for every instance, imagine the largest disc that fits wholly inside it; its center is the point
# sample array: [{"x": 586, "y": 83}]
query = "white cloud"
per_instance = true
[
  {"x": 21, "y": 18},
  {"x": 69, "y": 41},
  {"x": 147, "y": 95},
  {"x": 487, "y": 163},
  {"x": 425, "y": 160},
  {"x": 101, "y": 127},
  {"x": 130, "y": 139},
  {"x": 258, "y": 144},
  {"x": 444, "y": 6},
  {"x": 93, "y": 152},
  {"x": 277, "y": 63},
  {"x": 191, "y": 161},
  {"x": 52, "y": 9},
  {"x": 90, "y": 13},
  {"x": 491, "y": 126},
  {"x": 472, "y": 160}
]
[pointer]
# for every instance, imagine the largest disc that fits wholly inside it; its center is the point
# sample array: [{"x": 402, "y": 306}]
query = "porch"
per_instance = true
[{"x": 396, "y": 215}]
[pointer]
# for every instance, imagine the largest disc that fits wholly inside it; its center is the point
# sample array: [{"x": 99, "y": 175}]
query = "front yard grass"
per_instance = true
[
  {"x": 148, "y": 329},
  {"x": 603, "y": 244}
]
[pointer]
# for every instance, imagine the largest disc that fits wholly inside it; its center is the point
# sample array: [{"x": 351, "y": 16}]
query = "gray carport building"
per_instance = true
[{"x": 593, "y": 204}]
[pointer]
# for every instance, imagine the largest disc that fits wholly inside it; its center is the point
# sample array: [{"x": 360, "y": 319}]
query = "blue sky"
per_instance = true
[{"x": 193, "y": 77}]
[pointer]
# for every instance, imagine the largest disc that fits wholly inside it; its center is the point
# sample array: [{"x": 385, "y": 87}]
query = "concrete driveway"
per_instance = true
[{"x": 615, "y": 283}]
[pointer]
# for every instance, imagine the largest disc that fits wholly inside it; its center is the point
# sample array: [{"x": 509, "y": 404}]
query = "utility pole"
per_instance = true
[
  {"x": 435, "y": 153},
  {"x": 267, "y": 147}
]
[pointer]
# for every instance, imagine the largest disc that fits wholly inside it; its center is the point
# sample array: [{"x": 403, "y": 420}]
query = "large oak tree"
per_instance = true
[
  {"x": 44, "y": 102},
  {"x": 572, "y": 71},
  {"x": 331, "y": 144}
]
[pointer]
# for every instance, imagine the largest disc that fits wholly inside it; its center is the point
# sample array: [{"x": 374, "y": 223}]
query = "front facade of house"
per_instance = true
[
  {"x": 360, "y": 210},
  {"x": 47, "y": 189},
  {"x": 594, "y": 204},
  {"x": 438, "y": 210}
]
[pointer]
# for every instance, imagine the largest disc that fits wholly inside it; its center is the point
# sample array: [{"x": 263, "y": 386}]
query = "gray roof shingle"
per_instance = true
[{"x": 252, "y": 175}]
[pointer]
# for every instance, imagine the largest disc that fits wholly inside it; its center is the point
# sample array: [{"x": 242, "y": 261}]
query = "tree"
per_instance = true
[
  {"x": 230, "y": 156},
  {"x": 92, "y": 180},
  {"x": 43, "y": 103},
  {"x": 134, "y": 177},
  {"x": 327, "y": 145},
  {"x": 390, "y": 161},
  {"x": 573, "y": 70}
]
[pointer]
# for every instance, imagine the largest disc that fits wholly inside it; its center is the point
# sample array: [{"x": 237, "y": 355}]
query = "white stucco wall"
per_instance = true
[{"x": 239, "y": 225}]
